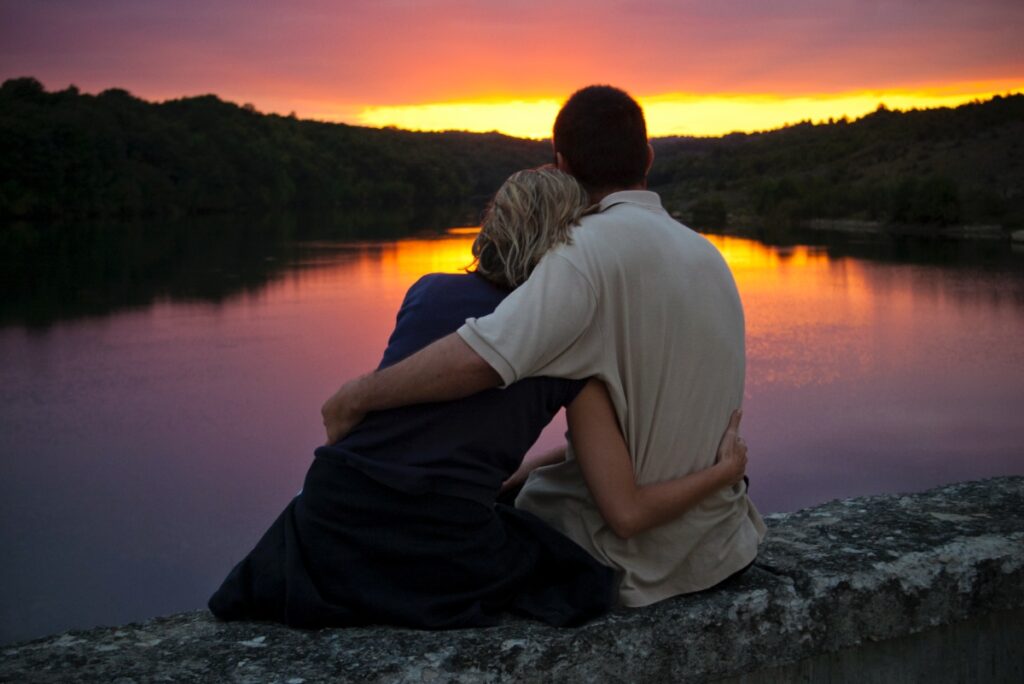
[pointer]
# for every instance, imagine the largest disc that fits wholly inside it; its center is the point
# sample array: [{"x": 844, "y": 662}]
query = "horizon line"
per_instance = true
[{"x": 656, "y": 108}]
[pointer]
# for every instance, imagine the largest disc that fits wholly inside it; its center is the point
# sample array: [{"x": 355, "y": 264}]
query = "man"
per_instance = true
[{"x": 638, "y": 301}]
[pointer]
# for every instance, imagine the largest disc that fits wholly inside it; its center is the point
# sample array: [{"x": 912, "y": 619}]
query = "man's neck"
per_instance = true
[{"x": 598, "y": 195}]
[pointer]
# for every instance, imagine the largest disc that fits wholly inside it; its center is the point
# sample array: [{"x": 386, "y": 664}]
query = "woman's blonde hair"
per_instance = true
[{"x": 532, "y": 212}]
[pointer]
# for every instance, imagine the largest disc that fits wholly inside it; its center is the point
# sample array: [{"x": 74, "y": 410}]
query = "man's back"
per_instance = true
[{"x": 662, "y": 326}]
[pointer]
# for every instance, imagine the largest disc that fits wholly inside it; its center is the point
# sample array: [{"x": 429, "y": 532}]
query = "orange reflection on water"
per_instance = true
[
  {"x": 807, "y": 315},
  {"x": 749, "y": 255},
  {"x": 381, "y": 269},
  {"x": 410, "y": 259},
  {"x": 811, "y": 319}
]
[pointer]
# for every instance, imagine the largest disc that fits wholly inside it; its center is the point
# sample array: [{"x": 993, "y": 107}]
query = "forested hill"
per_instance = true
[
  {"x": 67, "y": 155},
  {"x": 935, "y": 166}
]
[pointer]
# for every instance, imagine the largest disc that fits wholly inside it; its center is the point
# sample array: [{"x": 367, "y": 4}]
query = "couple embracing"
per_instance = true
[{"x": 586, "y": 295}]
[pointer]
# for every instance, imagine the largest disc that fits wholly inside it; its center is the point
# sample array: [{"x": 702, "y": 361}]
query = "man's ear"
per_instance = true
[
  {"x": 650, "y": 159},
  {"x": 561, "y": 164}
]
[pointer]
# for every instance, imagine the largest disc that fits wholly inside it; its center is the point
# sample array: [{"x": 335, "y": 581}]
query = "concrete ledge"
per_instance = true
[{"x": 879, "y": 588}]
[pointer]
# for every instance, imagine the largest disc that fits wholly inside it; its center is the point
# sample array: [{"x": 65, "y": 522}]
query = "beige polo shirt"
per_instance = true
[{"x": 649, "y": 307}]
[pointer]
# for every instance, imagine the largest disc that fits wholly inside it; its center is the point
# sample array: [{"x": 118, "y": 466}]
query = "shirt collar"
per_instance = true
[{"x": 644, "y": 197}]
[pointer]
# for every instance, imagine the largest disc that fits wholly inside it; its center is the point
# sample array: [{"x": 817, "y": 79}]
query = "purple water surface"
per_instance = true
[{"x": 142, "y": 452}]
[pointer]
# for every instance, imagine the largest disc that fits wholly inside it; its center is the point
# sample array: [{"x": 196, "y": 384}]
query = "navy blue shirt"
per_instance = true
[{"x": 463, "y": 448}]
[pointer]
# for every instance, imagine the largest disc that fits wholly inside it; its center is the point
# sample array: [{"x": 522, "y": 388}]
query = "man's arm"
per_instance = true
[
  {"x": 531, "y": 328},
  {"x": 445, "y": 370}
]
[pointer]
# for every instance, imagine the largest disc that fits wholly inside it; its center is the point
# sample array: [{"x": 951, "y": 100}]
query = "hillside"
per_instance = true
[
  {"x": 71, "y": 156},
  {"x": 936, "y": 167},
  {"x": 67, "y": 155}
]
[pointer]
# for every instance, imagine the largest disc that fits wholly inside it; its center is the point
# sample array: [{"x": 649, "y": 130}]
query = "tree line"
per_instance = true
[
  {"x": 70, "y": 156},
  {"x": 932, "y": 167}
]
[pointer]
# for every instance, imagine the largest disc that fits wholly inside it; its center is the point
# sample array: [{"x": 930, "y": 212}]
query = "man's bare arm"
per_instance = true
[{"x": 447, "y": 369}]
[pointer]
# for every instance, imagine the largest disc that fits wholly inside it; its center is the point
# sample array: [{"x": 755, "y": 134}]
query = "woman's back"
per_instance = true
[
  {"x": 396, "y": 522},
  {"x": 464, "y": 448}
]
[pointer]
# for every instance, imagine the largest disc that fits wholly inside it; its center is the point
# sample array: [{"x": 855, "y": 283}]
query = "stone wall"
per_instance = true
[{"x": 922, "y": 587}]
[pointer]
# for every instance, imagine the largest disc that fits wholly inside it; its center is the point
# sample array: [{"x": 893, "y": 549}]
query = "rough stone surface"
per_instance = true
[
  {"x": 981, "y": 649},
  {"x": 828, "y": 579}
]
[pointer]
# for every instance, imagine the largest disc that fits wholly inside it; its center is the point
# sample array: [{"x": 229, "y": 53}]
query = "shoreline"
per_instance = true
[{"x": 952, "y": 232}]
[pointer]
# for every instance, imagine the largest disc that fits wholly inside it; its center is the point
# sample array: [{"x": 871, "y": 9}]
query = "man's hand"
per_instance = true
[
  {"x": 342, "y": 411},
  {"x": 732, "y": 451}
]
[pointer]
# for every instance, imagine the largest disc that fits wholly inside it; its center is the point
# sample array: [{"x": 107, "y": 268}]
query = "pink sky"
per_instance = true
[{"x": 346, "y": 56}]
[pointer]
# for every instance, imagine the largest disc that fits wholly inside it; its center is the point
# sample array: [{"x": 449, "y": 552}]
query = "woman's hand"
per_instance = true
[
  {"x": 732, "y": 451},
  {"x": 528, "y": 465},
  {"x": 603, "y": 458}
]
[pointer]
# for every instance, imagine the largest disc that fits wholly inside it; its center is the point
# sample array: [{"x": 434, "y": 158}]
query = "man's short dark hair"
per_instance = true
[{"x": 601, "y": 133}]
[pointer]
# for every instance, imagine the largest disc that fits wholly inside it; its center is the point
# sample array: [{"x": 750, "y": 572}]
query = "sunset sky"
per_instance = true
[{"x": 702, "y": 68}]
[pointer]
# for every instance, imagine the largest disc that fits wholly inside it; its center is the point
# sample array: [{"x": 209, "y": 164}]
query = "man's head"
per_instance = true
[{"x": 601, "y": 138}]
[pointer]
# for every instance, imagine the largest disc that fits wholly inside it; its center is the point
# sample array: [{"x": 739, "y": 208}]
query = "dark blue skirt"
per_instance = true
[{"x": 352, "y": 551}]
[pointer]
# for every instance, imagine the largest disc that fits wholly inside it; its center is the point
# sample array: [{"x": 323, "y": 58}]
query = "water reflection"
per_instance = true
[
  {"x": 60, "y": 272},
  {"x": 54, "y": 273},
  {"x": 877, "y": 376},
  {"x": 144, "y": 450}
]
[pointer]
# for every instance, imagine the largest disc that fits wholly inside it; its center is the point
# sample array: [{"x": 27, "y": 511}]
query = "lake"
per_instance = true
[{"x": 156, "y": 416}]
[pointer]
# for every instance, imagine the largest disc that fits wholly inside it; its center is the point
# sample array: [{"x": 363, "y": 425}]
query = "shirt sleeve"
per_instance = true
[
  {"x": 396, "y": 349},
  {"x": 537, "y": 324}
]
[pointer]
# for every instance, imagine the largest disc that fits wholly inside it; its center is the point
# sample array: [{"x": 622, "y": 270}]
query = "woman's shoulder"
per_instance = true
[
  {"x": 453, "y": 281},
  {"x": 436, "y": 305},
  {"x": 454, "y": 289}
]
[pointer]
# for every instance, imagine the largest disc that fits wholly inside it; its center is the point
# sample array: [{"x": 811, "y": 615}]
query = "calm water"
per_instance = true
[{"x": 152, "y": 427}]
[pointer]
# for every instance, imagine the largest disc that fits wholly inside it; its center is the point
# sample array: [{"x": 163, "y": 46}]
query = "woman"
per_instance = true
[{"x": 397, "y": 522}]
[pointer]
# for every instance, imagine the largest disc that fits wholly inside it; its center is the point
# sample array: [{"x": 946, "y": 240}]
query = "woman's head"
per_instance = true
[{"x": 532, "y": 212}]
